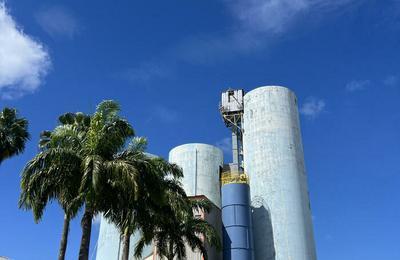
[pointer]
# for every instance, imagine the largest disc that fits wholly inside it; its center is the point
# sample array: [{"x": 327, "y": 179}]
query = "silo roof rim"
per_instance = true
[
  {"x": 269, "y": 87},
  {"x": 194, "y": 144}
]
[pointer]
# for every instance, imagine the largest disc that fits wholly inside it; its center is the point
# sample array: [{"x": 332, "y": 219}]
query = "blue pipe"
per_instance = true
[{"x": 237, "y": 223}]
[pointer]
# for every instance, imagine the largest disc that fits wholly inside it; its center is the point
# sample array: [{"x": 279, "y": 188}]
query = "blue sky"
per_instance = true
[{"x": 166, "y": 62}]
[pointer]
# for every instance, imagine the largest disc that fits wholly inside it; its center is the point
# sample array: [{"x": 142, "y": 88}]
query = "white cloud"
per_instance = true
[
  {"x": 357, "y": 85},
  {"x": 267, "y": 15},
  {"x": 391, "y": 81},
  {"x": 23, "y": 61},
  {"x": 57, "y": 21},
  {"x": 312, "y": 107},
  {"x": 225, "y": 144},
  {"x": 276, "y": 16}
]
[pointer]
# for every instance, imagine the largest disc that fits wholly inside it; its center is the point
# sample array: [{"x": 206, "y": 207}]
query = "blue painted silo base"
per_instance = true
[{"x": 236, "y": 219}]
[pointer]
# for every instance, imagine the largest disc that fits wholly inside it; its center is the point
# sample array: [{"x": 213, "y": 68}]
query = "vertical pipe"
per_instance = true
[
  {"x": 237, "y": 223},
  {"x": 195, "y": 174}
]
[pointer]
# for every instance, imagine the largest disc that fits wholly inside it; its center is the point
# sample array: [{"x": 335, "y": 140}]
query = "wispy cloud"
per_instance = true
[
  {"x": 23, "y": 61},
  {"x": 225, "y": 144},
  {"x": 58, "y": 21},
  {"x": 255, "y": 24},
  {"x": 267, "y": 15},
  {"x": 391, "y": 80},
  {"x": 277, "y": 16},
  {"x": 357, "y": 85},
  {"x": 312, "y": 107}
]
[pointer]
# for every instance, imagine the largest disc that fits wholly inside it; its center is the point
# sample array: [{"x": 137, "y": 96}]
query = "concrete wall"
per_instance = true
[
  {"x": 273, "y": 159},
  {"x": 201, "y": 165}
]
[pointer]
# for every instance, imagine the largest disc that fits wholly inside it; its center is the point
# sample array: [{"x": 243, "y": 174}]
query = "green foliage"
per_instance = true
[
  {"x": 95, "y": 161},
  {"x": 55, "y": 172},
  {"x": 107, "y": 135},
  {"x": 13, "y": 133},
  {"x": 173, "y": 225}
]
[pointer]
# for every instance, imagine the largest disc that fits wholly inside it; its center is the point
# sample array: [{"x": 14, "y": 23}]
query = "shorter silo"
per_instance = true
[
  {"x": 236, "y": 217},
  {"x": 201, "y": 164}
]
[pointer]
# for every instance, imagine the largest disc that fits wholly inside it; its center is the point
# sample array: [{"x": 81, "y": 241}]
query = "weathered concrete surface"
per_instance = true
[{"x": 273, "y": 158}]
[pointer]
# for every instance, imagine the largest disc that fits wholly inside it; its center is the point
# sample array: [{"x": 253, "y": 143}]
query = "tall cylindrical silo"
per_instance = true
[
  {"x": 236, "y": 218},
  {"x": 201, "y": 165},
  {"x": 274, "y": 160}
]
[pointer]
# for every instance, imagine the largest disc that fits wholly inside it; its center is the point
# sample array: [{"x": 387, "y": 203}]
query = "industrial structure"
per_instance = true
[
  {"x": 236, "y": 217},
  {"x": 274, "y": 161},
  {"x": 261, "y": 198},
  {"x": 201, "y": 165}
]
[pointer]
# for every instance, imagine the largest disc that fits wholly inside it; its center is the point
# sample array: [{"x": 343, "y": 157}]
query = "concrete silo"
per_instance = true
[
  {"x": 201, "y": 164},
  {"x": 273, "y": 159}
]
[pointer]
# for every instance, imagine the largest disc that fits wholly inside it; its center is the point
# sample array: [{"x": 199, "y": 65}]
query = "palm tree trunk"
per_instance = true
[
  {"x": 171, "y": 251},
  {"x": 126, "y": 242},
  {"x": 64, "y": 238},
  {"x": 86, "y": 224}
]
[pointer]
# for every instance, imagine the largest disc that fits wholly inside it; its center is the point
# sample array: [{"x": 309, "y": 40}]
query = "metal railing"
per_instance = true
[{"x": 234, "y": 177}]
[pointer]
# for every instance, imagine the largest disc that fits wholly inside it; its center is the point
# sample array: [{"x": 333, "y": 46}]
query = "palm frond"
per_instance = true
[{"x": 13, "y": 133}]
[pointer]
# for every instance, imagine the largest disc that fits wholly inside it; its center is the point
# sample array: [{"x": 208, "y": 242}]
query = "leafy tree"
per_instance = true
[
  {"x": 55, "y": 172},
  {"x": 174, "y": 225},
  {"x": 84, "y": 163},
  {"x": 86, "y": 151},
  {"x": 106, "y": 137},
  {"x": 154, "y": 178},
  {"x": 13, "y": 133}
]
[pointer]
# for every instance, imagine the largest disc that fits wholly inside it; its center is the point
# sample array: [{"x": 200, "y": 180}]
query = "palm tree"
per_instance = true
[
  {"x": 174, "y": 225},
  {"x": 170, "y": 239},
  {"x": 130, "y": 202},
  {"x": 55, "y": 172},
  {"x": 13, "y": 133},
  {"x": 106, "y": 137},
  {"x": 87, "y": 153}
]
